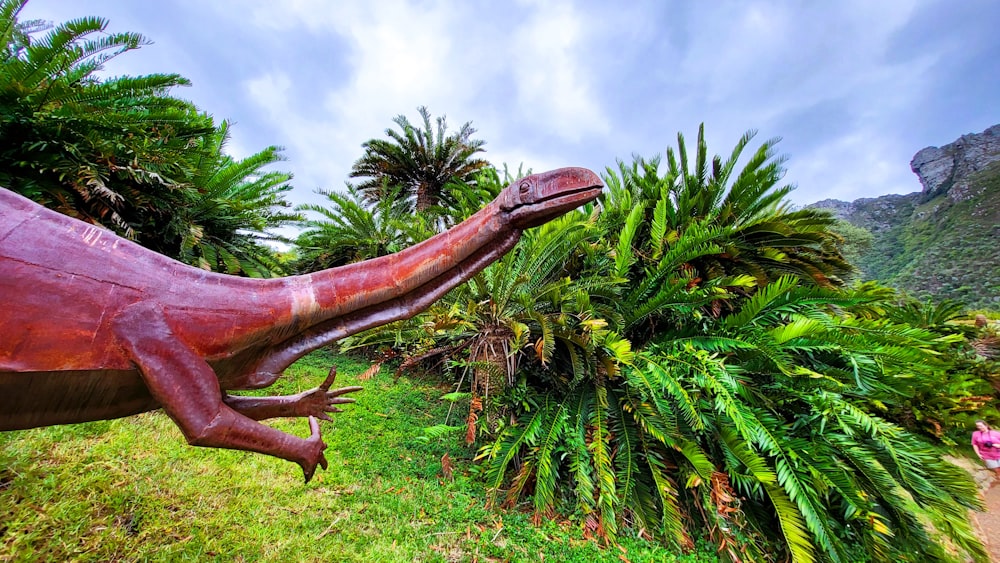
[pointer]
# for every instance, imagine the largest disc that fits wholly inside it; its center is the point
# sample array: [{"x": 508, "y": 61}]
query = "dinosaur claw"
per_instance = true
[
  {"x": 344, "y": 391},
  {"x": 314, "y": 451},
  {"x": 330, "y": 378}
]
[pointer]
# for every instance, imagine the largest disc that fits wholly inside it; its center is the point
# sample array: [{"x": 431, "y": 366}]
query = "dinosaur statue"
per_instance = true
[{"x": 94, "y": 327}]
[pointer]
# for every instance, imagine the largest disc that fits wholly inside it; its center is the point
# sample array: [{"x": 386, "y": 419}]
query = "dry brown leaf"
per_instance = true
[
  {"x": 371, "y": 371},
  {"x": 447, "y": 468},
  {"x": 470, "y": 428}
]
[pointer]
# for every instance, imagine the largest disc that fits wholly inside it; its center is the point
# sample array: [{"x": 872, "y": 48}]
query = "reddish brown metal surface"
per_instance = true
[{"x": 94, "y": 327}]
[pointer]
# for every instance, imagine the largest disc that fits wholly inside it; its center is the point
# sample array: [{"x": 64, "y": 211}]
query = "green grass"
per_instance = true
[{"x": 133, "y": 490}]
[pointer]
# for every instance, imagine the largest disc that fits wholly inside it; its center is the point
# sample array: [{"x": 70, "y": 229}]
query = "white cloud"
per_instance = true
[
  {"x": 770, "y": 59},
  {"x": 865, "y": 165},
  {"x": 553, "y": 81},
  {"x": 455, "y": 60},
  {"x": 271, "y": 92},
  {"x": 855, "y": 87},
  {"x": 308, "y": 138}
]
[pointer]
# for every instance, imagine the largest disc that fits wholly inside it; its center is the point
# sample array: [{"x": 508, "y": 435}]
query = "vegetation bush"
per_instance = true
[{"x": 684, "y": 361}]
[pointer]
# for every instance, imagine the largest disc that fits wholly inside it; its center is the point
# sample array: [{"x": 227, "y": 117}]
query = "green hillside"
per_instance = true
[{"x": 943, "y": 246}]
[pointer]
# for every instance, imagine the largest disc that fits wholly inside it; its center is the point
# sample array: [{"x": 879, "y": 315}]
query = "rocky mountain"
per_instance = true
[{"x": 943, "y": 241}]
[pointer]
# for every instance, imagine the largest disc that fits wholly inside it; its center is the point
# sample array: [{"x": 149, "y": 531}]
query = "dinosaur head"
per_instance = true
[{"x": 536, "y": 199}]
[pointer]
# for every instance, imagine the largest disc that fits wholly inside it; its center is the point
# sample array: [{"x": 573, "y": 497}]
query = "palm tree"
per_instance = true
[{"x": 418, "y": 161}]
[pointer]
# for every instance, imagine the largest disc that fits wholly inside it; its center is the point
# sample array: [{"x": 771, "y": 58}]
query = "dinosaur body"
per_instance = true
[{"x": 93, "y": 326}]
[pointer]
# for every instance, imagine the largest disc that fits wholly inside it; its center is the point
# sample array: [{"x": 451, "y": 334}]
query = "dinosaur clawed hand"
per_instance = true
[{"x": 320, "y": 401}]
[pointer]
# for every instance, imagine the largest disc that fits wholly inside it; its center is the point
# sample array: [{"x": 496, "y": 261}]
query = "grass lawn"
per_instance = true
[{"x": 133, "y": 490}]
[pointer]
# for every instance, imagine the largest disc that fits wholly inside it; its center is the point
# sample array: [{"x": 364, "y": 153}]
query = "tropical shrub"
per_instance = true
[
  {"x": 753, "y": 429},
  {"x": 353, "y": 229},
  {"x": 765, "y": 238},
  {"x": 106, "y": 151},
  {"x": 957, "y": 384},
  {"x": 228, "y": 219}
]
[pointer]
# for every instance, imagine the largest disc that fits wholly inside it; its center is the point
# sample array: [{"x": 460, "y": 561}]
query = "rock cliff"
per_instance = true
[{"x": 947, "y": 169}]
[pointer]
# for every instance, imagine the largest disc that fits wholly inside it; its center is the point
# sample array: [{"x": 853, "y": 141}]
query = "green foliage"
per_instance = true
[
  {"x": 124, "y": 153},
  {"x": 957, "y": 385},
  {"x": 715, "y": 381},
  {"x": 352, "y": 230},
  {"x": 224, "y": 226},
  {"x": 105, "y": 151},
  {"x": 855, "y": 241},
  {"x": 763, "y": 237}
]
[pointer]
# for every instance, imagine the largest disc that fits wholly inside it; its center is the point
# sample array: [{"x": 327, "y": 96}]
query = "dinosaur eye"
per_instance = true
[{"x": 525, "y": 187}]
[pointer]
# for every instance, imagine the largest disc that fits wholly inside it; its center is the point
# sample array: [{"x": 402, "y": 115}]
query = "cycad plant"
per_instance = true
[
  {"x": 571, "y": 424},
  {"x": 766, "y": 238},
  {"x": 754, "y": 430},
  {"x": 124, "y": 153},
  {"x": 228, "y": 221},
  {"x": 808, "y": 373},
  {"x": 958, "y": 386},
  {"x": 352, "y": 229}
]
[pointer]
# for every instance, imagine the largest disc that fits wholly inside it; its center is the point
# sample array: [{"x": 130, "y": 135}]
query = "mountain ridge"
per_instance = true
[{"x": 943, "y": 241}]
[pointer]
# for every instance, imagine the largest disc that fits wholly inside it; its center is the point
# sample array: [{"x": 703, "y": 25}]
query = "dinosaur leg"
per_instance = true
[
  {"x": 317, "y": 402},
  {"x": 187, "y": 388}
]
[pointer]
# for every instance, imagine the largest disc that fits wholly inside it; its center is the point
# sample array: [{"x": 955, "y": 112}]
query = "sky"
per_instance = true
[{"x": 853, "y": 88}]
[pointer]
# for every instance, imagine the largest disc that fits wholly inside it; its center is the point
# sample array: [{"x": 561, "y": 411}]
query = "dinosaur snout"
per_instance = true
[
  {"x": 545, "y": 196},
  {"x": 566, "y": 181}
]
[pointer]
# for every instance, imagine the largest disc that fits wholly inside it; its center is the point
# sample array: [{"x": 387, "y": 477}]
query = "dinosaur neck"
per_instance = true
[{"x": 332, "y": 293}]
